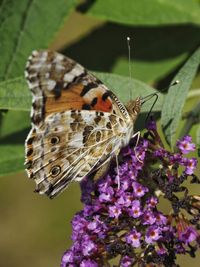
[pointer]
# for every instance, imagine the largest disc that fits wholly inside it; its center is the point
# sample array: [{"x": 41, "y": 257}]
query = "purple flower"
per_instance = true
[
  {"x": 148, "y": 218},
  {"x": 161, "y": 219},
  {"x": 67, "y": 258},
  {"x": 126, "y": 261},
  {"x": 107, "y": 195},
  {"x": 79, "y": 224},
  {"x": 114, "y": 211},
  {"x": 88, "y": 247},
  {"x": 125, "y": 183},
  {"x": 88, "y": 210},
  {"x": 152, "y": 202},
  {"x": 153, "y": 234},
  {"x": 190, "y": 165},
  {"x": 125, "y": 199},
  {"x": 161, "y": 251},
  {"x": 161, "y": 153},
  {"x": 139, "y": 190},
  {"x": 95, "y": 225},
  {"x": 151, "y": 125},
  {"x": 104, "y": 183},
  {"x": 135, "y": 210},
  {"x": 179, "y": 248},
  {"x": 89, "y": 263},
  {"x": 185, "y": 144},
  {"x": 188, "y": 235},
  {"x": 133, "y": 238},
  {"x": 175, "y": 158}
]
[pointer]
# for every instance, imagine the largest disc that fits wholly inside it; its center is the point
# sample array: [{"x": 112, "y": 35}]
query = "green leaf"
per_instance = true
[
  {"x": 11, "y": 159},
  {"x": 175, "y": 99},
  {"x": 145, "y": 70},
  {"x": 27, "y": 25},
  {"x": 14, "y": 129},
  {"x": 145, "y": 12},
  {"x": 15, "y": 95}
]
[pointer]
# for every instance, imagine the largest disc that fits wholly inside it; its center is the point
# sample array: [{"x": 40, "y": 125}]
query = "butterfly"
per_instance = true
[{"x": 78, "y": 124}]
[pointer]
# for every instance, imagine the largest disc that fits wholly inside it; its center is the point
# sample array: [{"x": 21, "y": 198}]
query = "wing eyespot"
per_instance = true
[
  {"x": 55, "y": 171},
  {"x": 55, "y": 140}
]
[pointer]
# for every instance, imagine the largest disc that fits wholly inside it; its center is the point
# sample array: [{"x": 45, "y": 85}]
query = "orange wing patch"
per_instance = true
[
  {"x": 71, "y": 98},
  {"x": 103, "y": 105}
]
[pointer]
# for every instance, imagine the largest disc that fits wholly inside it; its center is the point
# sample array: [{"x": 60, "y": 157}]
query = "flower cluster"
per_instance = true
[{"x": 125, "y": 221}]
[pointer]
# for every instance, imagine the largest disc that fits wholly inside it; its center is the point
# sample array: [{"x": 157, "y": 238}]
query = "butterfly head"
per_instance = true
[{"x": 134, "y": 107}]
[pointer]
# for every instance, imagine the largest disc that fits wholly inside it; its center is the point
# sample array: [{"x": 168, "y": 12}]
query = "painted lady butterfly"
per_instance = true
[{"x": 78, "y": 125}]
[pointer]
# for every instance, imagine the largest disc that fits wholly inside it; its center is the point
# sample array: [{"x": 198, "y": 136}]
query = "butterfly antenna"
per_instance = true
[
  {"x": 148, "y": 97},
  {"x": 129, "y": 65}
]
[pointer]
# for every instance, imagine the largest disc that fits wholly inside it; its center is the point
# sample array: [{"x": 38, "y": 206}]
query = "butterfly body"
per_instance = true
[{"x": 77, "y": 123}]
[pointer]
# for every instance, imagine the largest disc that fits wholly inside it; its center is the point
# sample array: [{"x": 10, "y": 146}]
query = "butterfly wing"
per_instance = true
[{"x": 77, "y": 123}]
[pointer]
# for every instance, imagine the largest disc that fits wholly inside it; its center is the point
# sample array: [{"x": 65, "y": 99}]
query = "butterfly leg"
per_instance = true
[
  {"x": 138, "y": 137},
  {"x": 117, "y": 166},
  {"x": 137, "y": 134}
]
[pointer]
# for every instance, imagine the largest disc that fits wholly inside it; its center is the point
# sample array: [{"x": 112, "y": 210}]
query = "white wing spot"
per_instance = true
[
  {"x": 77, "y": 70},
  {"x": 68, "y": 77},
  {"x": 44, "y": 56},
  {"x": 59, "y": 67},
  {"x": 58, "y": 58},
  {"x": 32, "y": 85},
  {"x": 47, "y": 75},
  {"x": 51, "y": 85},
  {"x": 34, "y": 53}
]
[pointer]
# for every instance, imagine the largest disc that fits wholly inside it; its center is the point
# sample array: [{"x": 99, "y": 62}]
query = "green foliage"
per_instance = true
[
  {"x": 175, "y": 99},
  {"x": 145, "y": 12},
  {"x": 14, "y": 128},
  {"x": 14, "y": 94}
]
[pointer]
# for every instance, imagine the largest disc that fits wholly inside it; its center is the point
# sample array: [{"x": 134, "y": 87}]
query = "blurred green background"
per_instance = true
[{"x": 34, "y": 230}]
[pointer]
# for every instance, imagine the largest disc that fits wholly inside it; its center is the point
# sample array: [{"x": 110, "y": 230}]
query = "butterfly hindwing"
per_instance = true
[{"x": 68, "y": 146}]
